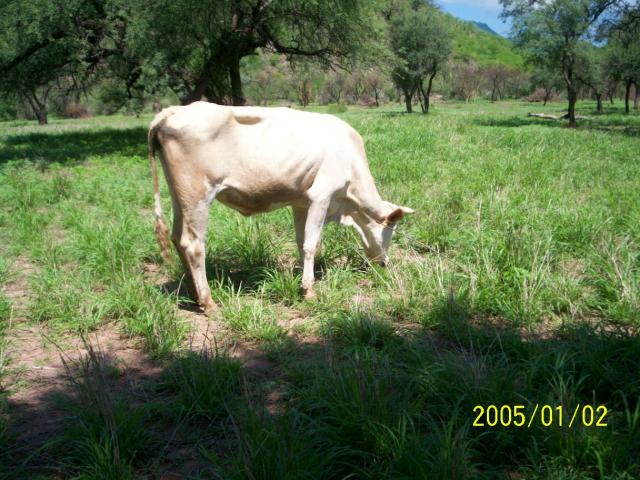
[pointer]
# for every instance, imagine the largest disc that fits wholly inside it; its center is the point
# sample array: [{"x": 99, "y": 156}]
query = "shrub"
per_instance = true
[
  {"x": 204, "y": 382},
  {"x": 336, "y": 108},
  {"x": 75, "y": 110},
  {"x": 539, "y": 95}
]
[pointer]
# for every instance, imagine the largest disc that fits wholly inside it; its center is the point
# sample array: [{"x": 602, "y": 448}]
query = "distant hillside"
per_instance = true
[
  {"x": 486, "y": 28},
  {"x": 472, "y": 43}
]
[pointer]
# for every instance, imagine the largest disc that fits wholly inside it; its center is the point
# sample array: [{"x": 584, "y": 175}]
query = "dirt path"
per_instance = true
[{"x": 43, "y": 363}]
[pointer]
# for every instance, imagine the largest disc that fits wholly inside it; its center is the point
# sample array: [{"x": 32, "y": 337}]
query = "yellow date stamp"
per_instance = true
[{"x": 545, "y": 415}]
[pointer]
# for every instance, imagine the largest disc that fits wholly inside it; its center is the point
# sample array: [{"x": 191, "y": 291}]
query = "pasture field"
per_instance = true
[{"x": 515, "y": 283}]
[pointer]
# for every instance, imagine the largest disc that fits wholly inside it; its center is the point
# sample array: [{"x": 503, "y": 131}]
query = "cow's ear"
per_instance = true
[
  {"x": 407, "y": 210},
  {"x": 397, "y": 215},
  {"x": 394, "y": 217}
]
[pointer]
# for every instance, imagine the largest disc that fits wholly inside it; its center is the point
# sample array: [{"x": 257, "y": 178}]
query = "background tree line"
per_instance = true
[{"x": 76, "y": 56}]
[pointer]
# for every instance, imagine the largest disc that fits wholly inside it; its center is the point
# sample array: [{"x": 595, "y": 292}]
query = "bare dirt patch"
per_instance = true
[
  {"x": 56, "y": 234},
  {"x": 18, "y": 288},
  {"x": 41, "y": 365},
  {"x": 37, "y": 357},
  {"x": 42, "y": 369}
]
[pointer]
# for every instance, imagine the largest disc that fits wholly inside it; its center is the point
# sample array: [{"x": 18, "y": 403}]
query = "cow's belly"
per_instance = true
[{"x": 251, "y": 203}]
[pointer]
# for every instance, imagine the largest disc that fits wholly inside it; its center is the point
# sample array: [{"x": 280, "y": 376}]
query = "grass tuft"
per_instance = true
[
  {"x": 104, "y": 438},
  {"x": 356, "y": 329},
  {"x": 206, "y": 384},
  {"x": 251, "y": 317},
  {"x": 274, "y": 448}
]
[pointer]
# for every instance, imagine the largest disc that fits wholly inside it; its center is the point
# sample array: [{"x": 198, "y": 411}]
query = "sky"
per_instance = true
[{"x": 486, "y": 11}]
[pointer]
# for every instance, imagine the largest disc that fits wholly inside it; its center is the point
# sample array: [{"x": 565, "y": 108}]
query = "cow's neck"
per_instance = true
[{"x": 364, "y": 193}]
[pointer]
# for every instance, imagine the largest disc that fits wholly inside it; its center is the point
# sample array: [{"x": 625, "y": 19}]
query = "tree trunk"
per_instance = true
[
  {"x": 599, "y": 100},
  {"x": 42, "y": 117},
  {"x": 573, "y": 98},
  {"x": 304, "y": 93},
  {"x": 427, "y": 95},
  {"x": 216, "y": 61},
  {"x": 237, "y": 96},
  {"x": 39, "y": 106},
  {"x": 195, "y": 93},
  {"x": 627, "y": 95},
  {"x": 376, "y": 96},
  {"x": 547, "y": 95},
  {"x": 356, "y": 91},
  {"x": 408, "y": 97},
  {"x": 421, "y": 100},
  {"x": 636, "y": 99}
]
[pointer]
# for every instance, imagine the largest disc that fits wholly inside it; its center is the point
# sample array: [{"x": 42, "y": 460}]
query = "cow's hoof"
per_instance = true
[
  {"x": 209, "y": 308},
  {"x": 310, "y": 294}
]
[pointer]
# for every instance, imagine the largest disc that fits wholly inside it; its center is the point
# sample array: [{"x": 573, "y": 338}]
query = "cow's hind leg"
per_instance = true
[
  {"x": 189, "y": 232},
  {"x": 299, "y": 221}
]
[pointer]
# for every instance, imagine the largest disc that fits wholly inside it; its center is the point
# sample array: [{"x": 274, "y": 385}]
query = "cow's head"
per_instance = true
[{"x": 376, "y": 235}]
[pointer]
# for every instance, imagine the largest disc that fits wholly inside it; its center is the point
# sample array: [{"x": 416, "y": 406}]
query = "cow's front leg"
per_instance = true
[{"x": 313, "y": 228}]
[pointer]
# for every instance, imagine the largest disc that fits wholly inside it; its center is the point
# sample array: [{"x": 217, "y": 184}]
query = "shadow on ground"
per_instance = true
[
  {"x": 109, "y": 402},
  {"x": 462, "y": 360},
  {"x": 72, "y": 147},
  {"x": 620, "y": 126}
]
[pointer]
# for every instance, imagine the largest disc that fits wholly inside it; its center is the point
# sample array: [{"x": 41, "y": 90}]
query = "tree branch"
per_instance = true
[
  {"x": 278, "y": 47},
  {"x": 31, "y": 50}
]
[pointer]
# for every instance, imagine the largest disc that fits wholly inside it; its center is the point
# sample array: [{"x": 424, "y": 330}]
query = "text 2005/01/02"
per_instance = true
[{"x": 545, "y": 415}]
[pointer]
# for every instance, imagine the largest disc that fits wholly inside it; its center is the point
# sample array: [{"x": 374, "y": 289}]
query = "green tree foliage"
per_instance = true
[
  {"x": 194, "y": 48},
  {"x": 547, "y": 78},
  {"x": 593, "y": 71},
  {"x": 623, "y": 58},
  {"x": 422, "y": 44},
  {"x": 45, "y": 44},
  {"x": 551, "y": 34},
  {"x": 199, "y": 45},
  {"x": 264, "y": 77}
]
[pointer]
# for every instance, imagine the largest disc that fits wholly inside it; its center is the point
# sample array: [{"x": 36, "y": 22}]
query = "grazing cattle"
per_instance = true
[{"x": 256, "y": 160}]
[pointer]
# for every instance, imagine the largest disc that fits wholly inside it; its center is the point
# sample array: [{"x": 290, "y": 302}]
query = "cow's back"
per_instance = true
[{"x": 259, "y": 156}]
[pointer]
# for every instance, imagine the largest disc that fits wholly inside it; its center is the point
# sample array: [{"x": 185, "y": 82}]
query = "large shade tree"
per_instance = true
[
  {"x": 551, "y": 33},
  {"x": 623, "y": 48},
  {"x": 44, "y": 43},
  {"x": 549, "y": 79},
  {"x": 593, "y": 72},
  {"x": 193, "y": 47},
  {"x": 421, "y": 44},
  {"x": 198, "y": 45}
]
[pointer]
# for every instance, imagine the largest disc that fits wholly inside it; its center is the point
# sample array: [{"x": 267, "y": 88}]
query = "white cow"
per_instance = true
[{"x": 256, "y": 160}]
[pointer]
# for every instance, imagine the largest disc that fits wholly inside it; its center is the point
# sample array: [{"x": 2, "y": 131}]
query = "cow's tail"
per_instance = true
[{"x": 162, "y": 232}]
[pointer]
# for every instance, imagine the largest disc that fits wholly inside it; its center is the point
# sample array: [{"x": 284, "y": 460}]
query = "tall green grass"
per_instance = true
[
  {"x": 516, "y": 282},
  {"x": 104, "y": 437},
  {"x": 5, "y": 318}
]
